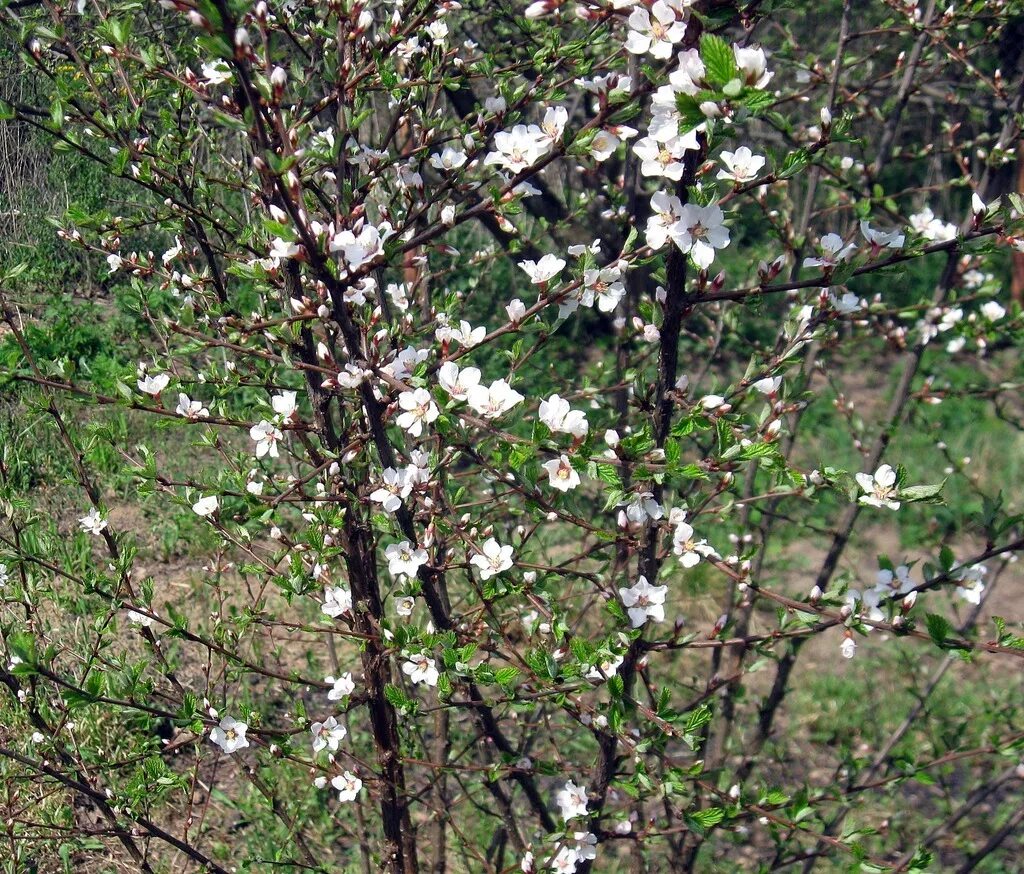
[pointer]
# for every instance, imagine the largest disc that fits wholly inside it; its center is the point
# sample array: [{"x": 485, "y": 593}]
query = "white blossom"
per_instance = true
[
  {"x": 605, "y": 285},
  {"x": 457, "y": 382},
  {"x": 880, "y": 489},
  {"x": 405, "y": 559},
  {"x": 348, "y": 786},
  {"x": 971, "y": 586},
  {"x": 495, "y": 400},
  {"x": 869, "y": 600},
  {"x": 282, "y": 250},
  {"x": 205, "y": 506},
  {"x": 394, "y": 489},
  {"x": 699, "y": 231},
  {"x": 421, "y": 668},
  {"x": 554, "y": 122},
  {"x": 881, "y": 239},
  {"x": 190, "y": 409},
  {"x": 284, "y": 405},
  {"x": 654, "y": 31},
  {"x": 833, "y": 252},
  {"x": 448, "y": 159},
  {"x": 519, "y": 148},
  {"x": 931, "y": 228},
  {"x": 493, "y": 558},
  {"x": 437, "y": 30},
  {"x": 667, "y": 210},
  {"x": 769, "y": 385},
  {"x": 607, "y": 140},
  {"x": 586, "y": 845},
  {"x": 266, "y": 434},
  {"x": 327, "y": 735},
  {"x": 741, "y": 165},
  {"x": 93, "y": 522},
  {"x": 358, "y": 248},
  {"x": 992, "y": 310},
  {"x": 557, "y": 415},
  {"x": 541, "y": 271},
  {"x": 229, "y": 735},
  {"x": 564, "y": 861},
  {"x": 690, "y": 551},
  {"x": 418, "y": 409},
  {"x": 405, "y": 362},
  {"x": 605, "y": 669},
  {"x": 753, "y": 66},
  {"x": 337, "y": 600},
  {"x": 894, "y": 583},
  {"x": 665, "y": 159},
  {"x": 847, "y": 303},
  {"x": 153, "y": 385},
  {"x": 516, "y": 310},
  {"x": 216, "y": 73},
  {"x": 341, "y": 687},
  {"x": 644, "y": 601},
  {"x": 639, "y": 508},
  {"x": 572, "y": 800},
  {"x": 561, "y": 474}
]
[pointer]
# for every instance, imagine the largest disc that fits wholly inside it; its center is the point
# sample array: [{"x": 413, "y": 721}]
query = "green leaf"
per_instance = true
[
  {"x": 938, "y": 628},
  {"x": 698, "y": 718},
  {"x": 701, "y": 820},
  {"x": 921, "y": 493},
  {"x": 719, "y": 61},
  {"x": 396, "y": 697},
  {"x": 758, "y": 101},
  {"x": 581, "y": 649},
  {"x": 519, "y": 456},
  {"x": 690, "y": 113},
  {"x": 794, "y": 162},
  {"x": 922, "y": 862},
  {"x": 505, "y": 676},
  {"x": 607, "y": 473},
  {"x": 758, "y": 450}
]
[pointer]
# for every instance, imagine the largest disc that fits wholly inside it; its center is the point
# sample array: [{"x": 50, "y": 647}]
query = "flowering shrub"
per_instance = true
[{"x": 553, "y": 395}]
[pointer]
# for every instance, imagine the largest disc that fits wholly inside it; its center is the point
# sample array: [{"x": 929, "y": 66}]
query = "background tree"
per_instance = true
[{"x": 470, "y": 437}]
